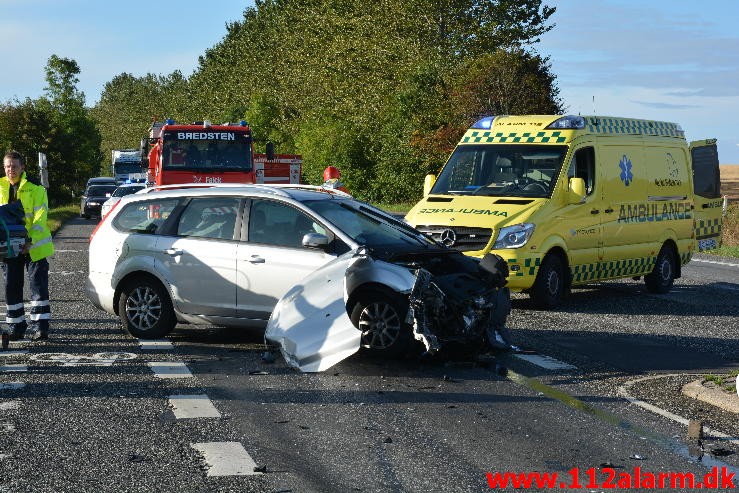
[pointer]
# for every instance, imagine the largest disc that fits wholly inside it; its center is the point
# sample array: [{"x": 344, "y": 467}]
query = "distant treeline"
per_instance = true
[{"x": 383, "y": 90}]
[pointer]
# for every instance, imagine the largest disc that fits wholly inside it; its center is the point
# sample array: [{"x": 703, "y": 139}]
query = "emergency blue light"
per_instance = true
[
  {"x": 169, "y": 121},
  {"x": 567, "y": 122},
  {"x": 243, "y": 123},
  {"x": 484, "y": 123}
]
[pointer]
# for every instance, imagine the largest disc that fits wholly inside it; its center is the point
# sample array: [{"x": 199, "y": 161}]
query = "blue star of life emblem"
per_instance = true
[{"x": 626, "y": 175}]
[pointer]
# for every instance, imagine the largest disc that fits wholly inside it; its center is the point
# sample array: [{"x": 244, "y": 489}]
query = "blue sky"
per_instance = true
[{"x": 672, "y": 60}]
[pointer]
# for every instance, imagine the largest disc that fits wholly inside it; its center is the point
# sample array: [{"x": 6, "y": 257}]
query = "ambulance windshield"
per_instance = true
[
  {"x": 501, "y": 170},
  {"x": 207, "y": 151}
]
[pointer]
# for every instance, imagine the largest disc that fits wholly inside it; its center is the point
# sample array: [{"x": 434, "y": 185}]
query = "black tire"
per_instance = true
[
  {"x": 662, "y": 277},
  {"x": 550, "y": 284},
  {"x": 85, "y": 216},
  {"x": 145, "y": 309},
  {"x": 381, "y": 318}
]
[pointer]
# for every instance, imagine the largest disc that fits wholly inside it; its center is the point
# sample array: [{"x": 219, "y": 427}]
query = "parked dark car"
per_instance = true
[
  {"x": 93, "y": 199},
  {"x": 101, "y": 180}
]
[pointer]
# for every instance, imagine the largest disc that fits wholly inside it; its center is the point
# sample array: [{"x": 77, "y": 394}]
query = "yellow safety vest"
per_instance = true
[{"x": 36, "y": 206}]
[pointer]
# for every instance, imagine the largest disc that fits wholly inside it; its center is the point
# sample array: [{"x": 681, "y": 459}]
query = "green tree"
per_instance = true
[
  {"x": 74, "y": 153},
  {"x": 382, "y": 89}
]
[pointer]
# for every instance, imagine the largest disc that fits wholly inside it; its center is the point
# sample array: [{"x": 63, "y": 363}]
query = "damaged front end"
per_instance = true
[
  {"x": 462, "y": 308},
  {"x": 382, "y": 301}
]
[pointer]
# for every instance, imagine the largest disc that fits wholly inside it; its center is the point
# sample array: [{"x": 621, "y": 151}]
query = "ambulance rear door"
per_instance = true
[{"x": 707, "y": 189}]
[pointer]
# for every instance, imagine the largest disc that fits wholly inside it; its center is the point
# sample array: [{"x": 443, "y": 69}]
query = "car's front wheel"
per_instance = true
[
  {"x": 145, "y": 309},
  {"x": 381, "y": 319}
]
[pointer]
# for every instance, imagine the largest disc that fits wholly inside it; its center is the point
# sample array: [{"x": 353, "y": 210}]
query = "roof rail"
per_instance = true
[{"x": 259, "y": 186}]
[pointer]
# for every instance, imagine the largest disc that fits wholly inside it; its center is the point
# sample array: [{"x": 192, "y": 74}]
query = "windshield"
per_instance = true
[
  {"x": 225, "y": 151},
  {"x": 505, "y": 170},
  {"x": 125, "y": 168},
  {"x": 100, "y": 190},
  {"x": 121, "y": 191},
  {"x": 367, "y": 227}
]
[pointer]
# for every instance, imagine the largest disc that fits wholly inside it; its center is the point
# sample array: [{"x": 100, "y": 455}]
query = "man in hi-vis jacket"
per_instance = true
[{"x": 15, "y": 187}]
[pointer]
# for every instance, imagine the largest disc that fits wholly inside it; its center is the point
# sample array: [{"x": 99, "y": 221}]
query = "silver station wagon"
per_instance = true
[{"x": 325, "y": 274}]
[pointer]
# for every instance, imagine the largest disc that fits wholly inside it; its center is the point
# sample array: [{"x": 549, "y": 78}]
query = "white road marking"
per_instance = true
[
  {"x": 12, "y": 386},
  {"x": 153, "y": 344},
  {"x": 6, "y": 456},
  {"x": 546, "y": 362},
  {"x": 13, "y": 368},
  {"x": 8, "y": 354},
  {"x": 97, "y": 359},
  {"x": 170, "y": 369},
  {"x": 68, "y": 272},
  {"x": 226, "y": 459},
  {"x": 9, "y": 405},
  {"x": 66, "y": 251},
  {"x": 193, "y": 406},
  {"x": 714, "y": 262},
  {"x": 624, "y": 392}
]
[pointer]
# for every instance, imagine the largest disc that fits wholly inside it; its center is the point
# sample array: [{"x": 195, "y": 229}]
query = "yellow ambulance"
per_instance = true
[{"x": 569, "y": 200}]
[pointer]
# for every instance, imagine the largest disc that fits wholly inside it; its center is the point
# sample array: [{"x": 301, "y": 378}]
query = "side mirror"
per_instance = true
[
  {"x": 576, "y": 191},
  {"x": 270, "y": 151},
  {"x": 428, "y": 183},
  {"x": 144, "y": 149},
  {"x": 315, "y": 240}
]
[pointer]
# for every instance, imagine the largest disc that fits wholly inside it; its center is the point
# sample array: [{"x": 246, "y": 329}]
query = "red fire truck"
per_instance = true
[{"x": 204, "y": 153}]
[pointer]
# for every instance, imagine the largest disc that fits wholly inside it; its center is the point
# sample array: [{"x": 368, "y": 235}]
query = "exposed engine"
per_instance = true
[{"x": 456, "y": 307}]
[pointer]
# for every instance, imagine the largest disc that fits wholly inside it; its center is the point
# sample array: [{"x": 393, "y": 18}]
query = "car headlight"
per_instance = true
[
  {"x": 514, "y": 236},
  {"x": 92, "y": 203}
]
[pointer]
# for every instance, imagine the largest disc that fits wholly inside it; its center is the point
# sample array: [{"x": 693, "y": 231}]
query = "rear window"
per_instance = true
[
  {"x": 100, "y": 190},
  {"x": 144, "y": 216},
  {"x": 121, "y": 191}
]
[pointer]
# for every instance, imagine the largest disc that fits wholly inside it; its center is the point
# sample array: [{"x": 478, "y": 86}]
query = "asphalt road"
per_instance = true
[{"x": 91, "y": 421}]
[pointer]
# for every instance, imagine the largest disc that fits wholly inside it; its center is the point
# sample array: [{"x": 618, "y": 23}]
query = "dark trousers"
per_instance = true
[{"x": 38, "y": 282}]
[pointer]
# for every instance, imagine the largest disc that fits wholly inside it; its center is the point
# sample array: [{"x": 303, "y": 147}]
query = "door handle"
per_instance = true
[
  {"x": 256, "y": 259},
  {"x": 608, "y": 211},
  {"x": 594, "y": 211},
  {"x": 173, "y": 252}
]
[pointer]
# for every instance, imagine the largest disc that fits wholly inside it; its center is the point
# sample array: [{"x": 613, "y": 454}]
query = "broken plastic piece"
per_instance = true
[{"x": 637, "y": 457}]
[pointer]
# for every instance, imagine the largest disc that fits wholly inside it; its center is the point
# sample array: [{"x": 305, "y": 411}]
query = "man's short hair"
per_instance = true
[{"x": 14, "y": 155}]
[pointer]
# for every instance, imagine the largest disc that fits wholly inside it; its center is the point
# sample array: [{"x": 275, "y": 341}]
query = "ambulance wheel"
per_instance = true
[
  {"x": 660, "y": 280},
  {"x": 145, "y": 309},
  {"x": 549, "y": 287},
  {"x": 381, "y": 319}
]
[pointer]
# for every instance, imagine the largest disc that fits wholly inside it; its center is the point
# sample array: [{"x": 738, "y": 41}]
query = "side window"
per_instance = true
[
  {"x": 209, "y": 217},
  {"x": 278, "y": 224},
  {"x": 583, "y": 166},
  {"x": 144, "y": 216}
]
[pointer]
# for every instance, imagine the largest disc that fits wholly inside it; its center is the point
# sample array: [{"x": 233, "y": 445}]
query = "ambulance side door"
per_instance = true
[
  {"x": 583, "y": 229},
  {"x": 707, "y": 190}
]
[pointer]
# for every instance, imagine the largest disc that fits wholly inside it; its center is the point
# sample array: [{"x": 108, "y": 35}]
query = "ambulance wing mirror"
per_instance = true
[
  {"x": 270, "y": 151},
  {"x": 428, "y": 182},
  {"x": 576, "y": 192}
]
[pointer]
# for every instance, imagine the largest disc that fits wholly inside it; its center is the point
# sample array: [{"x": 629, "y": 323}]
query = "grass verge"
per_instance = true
[
  {"x": 59, "y": 215},
  {"x": 727, "y": 383}
]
